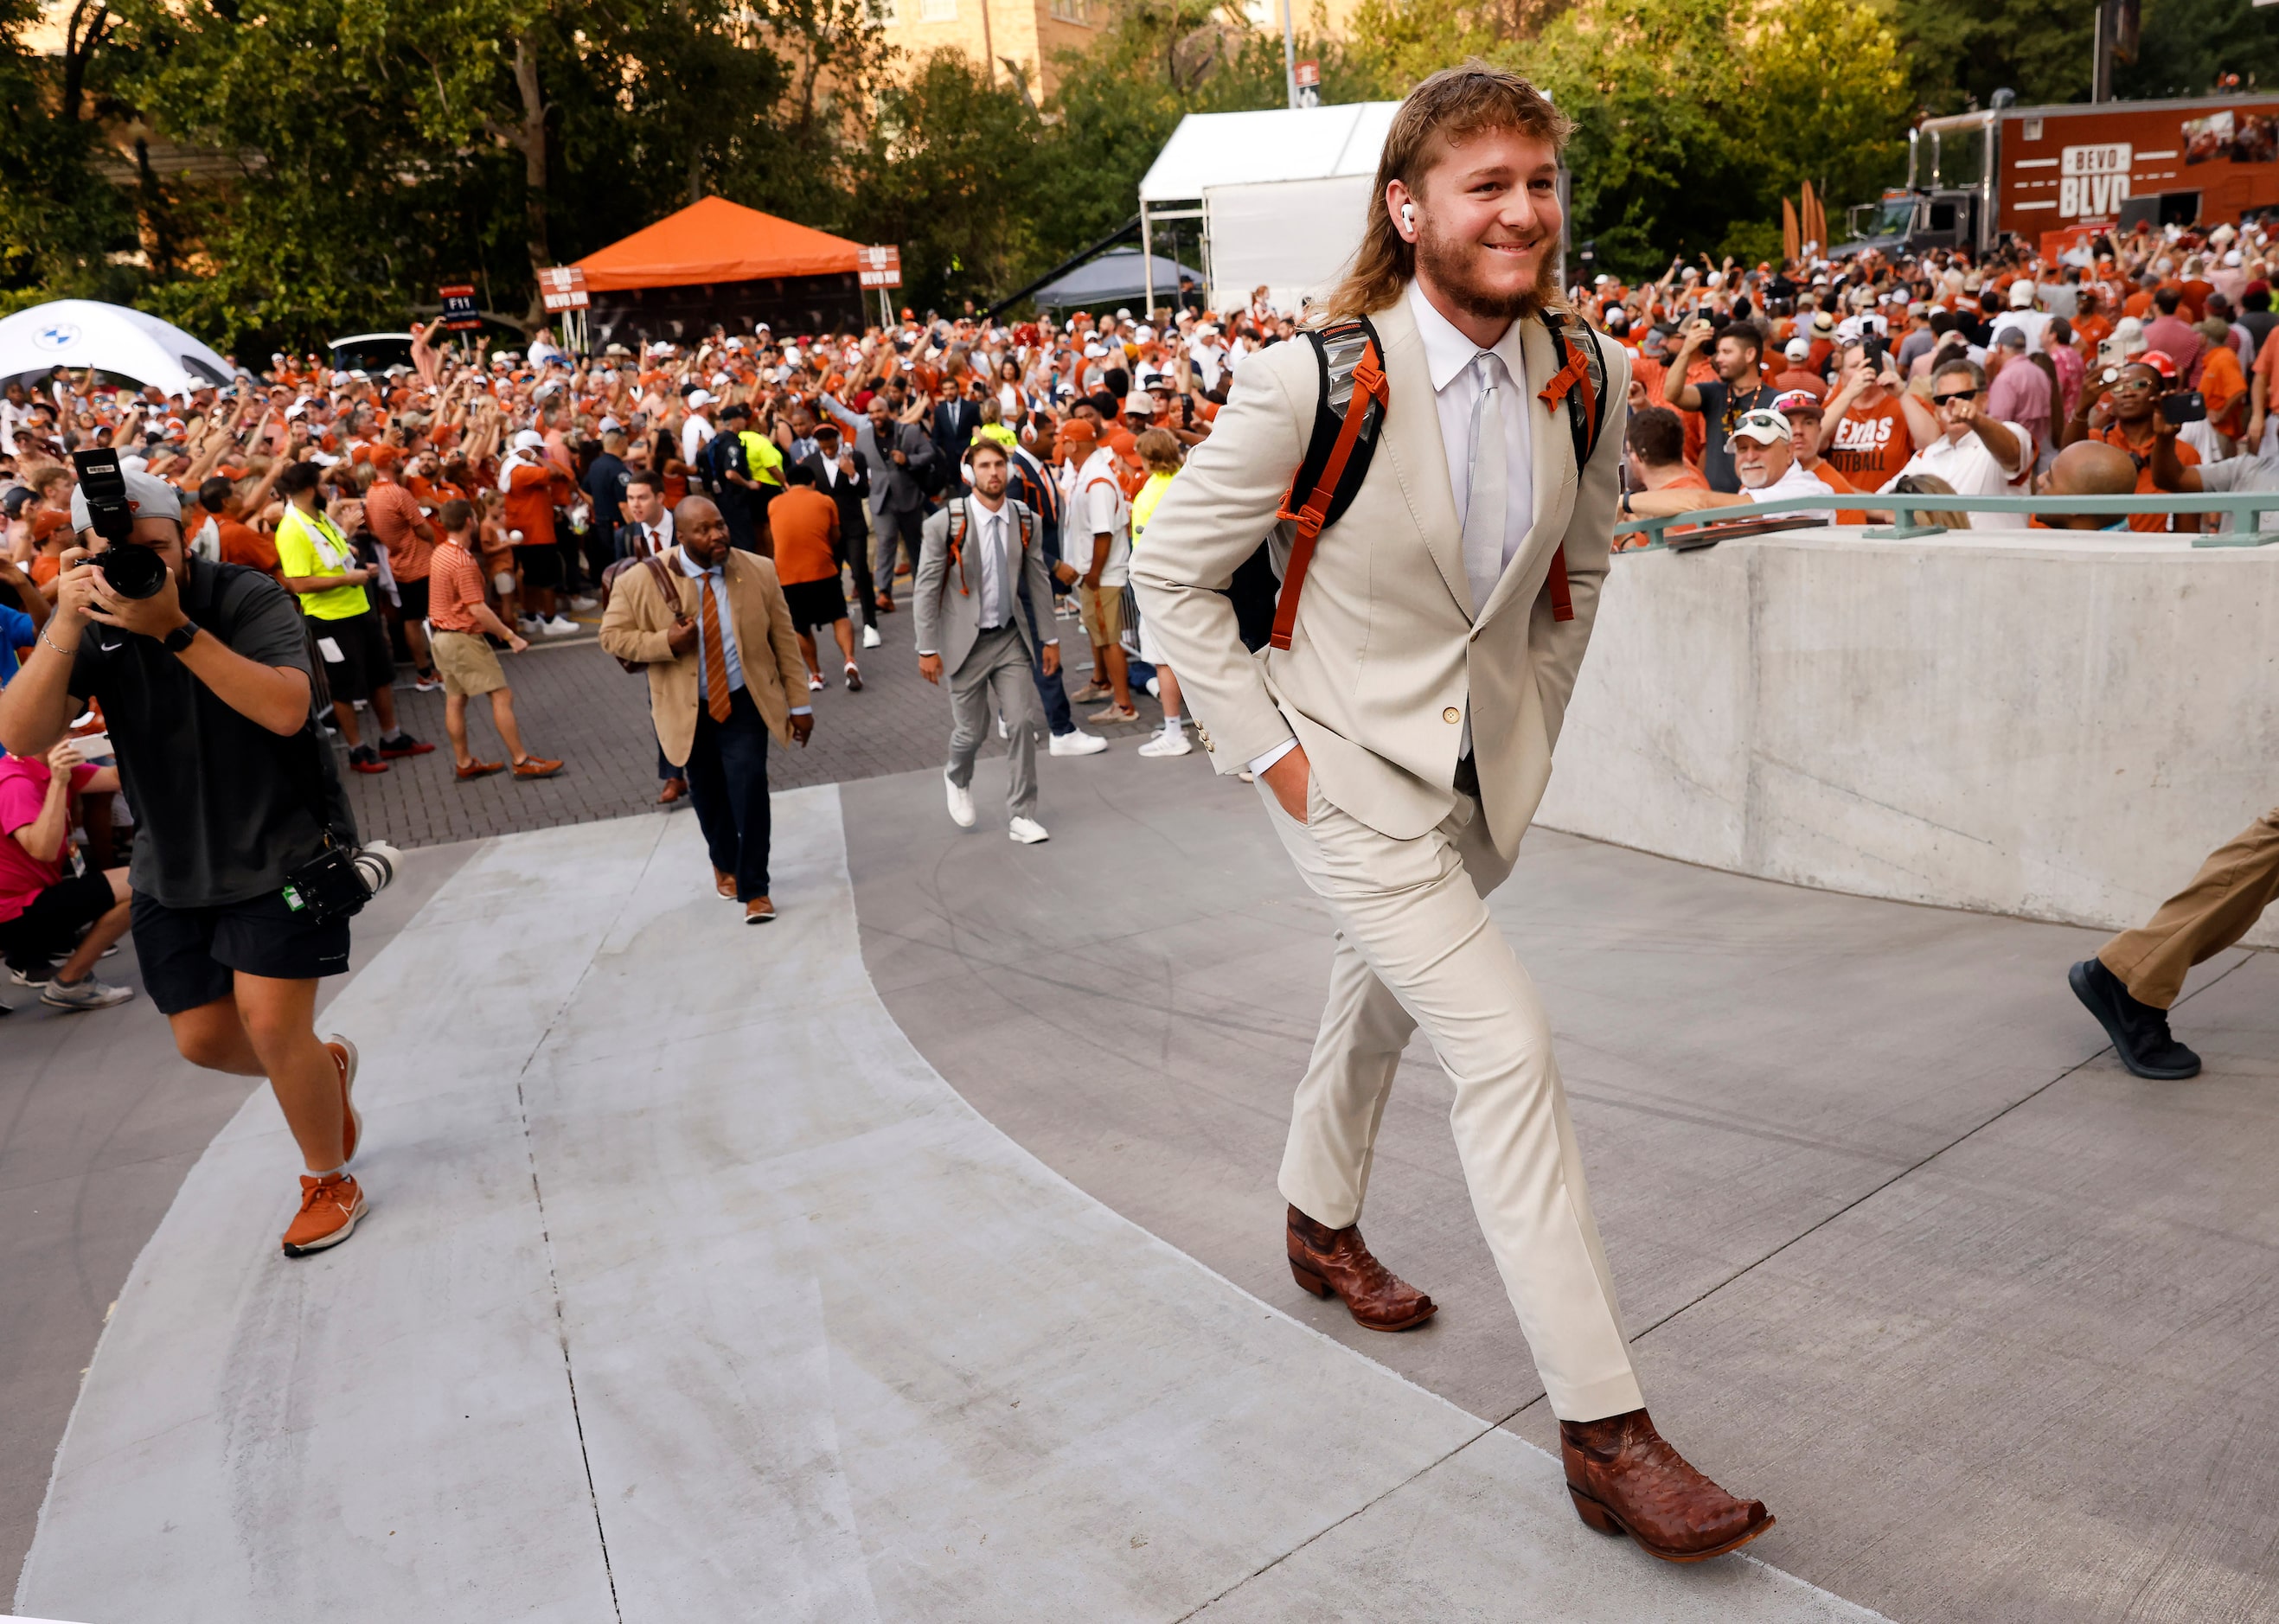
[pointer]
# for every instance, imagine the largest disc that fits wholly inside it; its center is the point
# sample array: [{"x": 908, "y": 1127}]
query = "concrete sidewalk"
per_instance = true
[
  {"x": 1903, "y": 1251},
  {"x": 690, "y": 1289}
]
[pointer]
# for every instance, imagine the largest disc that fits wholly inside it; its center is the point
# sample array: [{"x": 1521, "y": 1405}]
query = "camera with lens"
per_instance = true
[{"x": 133, "y": 572}]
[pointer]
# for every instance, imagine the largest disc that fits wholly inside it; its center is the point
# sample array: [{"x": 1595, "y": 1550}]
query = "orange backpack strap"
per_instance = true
[
  {"x": 1581, "y": 383},
  {"x": 958, "y": 544},
  {"x": 1369, "y": 390}
]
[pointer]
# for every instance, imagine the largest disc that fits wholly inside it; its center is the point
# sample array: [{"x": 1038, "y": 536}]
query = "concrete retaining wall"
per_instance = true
[{"x": 2061, "y": 729}]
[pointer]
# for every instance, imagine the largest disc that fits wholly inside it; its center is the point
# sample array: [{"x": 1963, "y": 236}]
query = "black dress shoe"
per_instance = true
[{"x": 2139, "y": 1032}]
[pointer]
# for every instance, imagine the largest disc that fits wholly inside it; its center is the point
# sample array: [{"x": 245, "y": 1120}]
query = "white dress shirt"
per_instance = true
[
  {"x": 985, "y": 548},
  {"x": 1448, "y": 358}
]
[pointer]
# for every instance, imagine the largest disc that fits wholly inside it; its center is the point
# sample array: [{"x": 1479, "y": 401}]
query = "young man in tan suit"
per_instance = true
[
  {"x": 725, "y": 672},
  {"x": 1403, "y": 739}
]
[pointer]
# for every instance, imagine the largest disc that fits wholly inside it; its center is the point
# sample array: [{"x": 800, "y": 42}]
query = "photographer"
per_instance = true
[{"x": 206, "y": 684}]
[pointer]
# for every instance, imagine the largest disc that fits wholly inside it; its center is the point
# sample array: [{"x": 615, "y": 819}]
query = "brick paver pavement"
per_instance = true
[{"x": 575, "y": 702}]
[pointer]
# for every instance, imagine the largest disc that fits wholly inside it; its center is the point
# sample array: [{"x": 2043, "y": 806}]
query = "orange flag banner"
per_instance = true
[{"x": 1791, "y": 236}]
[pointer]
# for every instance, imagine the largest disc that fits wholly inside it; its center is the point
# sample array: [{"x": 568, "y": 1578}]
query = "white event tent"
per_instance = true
[
  {"x": 109, "y": 338},
  {"x": 1282, "y": 193}
]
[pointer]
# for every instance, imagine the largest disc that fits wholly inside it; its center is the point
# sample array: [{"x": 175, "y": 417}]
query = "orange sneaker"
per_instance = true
[
  {"x": 344, "y": 1057},
  {"x": 330, "y": 1207}
]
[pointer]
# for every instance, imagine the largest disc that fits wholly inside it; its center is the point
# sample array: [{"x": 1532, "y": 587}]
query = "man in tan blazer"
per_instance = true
[
  {"x": 724, "y": 670},
  {"x": 1402, "y": 741}
]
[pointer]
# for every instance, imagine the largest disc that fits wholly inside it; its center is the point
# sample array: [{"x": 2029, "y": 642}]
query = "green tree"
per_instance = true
[{"x": 59, "y": 222}]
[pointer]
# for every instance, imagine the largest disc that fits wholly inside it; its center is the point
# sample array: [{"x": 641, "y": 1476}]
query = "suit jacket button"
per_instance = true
[{"x": 1452, "y": 715}]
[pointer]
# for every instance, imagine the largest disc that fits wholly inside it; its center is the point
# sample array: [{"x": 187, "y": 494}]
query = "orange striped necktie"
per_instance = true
[{"x": 716, "y": 655}]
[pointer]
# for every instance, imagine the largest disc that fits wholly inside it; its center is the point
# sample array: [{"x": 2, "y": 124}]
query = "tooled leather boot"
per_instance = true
[
  {"x": 1336, "y": 1262},
  {"x": 1626, "y": 1479}
]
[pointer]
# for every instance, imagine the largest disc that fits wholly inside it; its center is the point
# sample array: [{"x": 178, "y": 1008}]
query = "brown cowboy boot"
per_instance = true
[
  {"x": 1626, "y": 1479},
  {"x": 1337, "y": 1262}
]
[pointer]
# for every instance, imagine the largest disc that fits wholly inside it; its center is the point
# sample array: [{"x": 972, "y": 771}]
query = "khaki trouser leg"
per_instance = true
[
  {"x": 1412, "y": 912},
  {"x": 2237, "y": 882},
  {"x": 1340, "y": 1100}
]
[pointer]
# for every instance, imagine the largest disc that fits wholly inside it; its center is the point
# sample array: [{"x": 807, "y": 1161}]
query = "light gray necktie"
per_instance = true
[{"x": 1484, "y": 505}]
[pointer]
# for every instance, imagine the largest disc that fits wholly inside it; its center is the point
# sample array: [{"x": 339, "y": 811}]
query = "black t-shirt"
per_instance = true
[
  {"x": 224, "y": 804},
  {"x": 606, "y": 483},
  {"x": 1721, "y": 409},
  {"x": 2260, "y": 323}
]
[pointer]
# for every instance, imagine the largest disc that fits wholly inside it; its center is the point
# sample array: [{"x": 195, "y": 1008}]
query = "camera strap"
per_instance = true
[{"x": 302, "y": 751}]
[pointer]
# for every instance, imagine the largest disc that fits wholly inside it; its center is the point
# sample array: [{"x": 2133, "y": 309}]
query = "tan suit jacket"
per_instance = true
[
  {"x": 639, "y": 622},
  {"x": 1388, "y": 654}
]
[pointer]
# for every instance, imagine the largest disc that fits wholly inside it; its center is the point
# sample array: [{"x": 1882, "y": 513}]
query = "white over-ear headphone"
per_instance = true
[{"x": 1409, "y": 218}]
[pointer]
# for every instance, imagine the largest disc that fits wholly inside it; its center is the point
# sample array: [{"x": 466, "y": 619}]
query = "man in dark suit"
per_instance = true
[
  {"x": 898, "y": 455},
  {"x": 648, "y": 531},
  {"x": 843, "y": 473},
  {"x": 953, "y": 423}
]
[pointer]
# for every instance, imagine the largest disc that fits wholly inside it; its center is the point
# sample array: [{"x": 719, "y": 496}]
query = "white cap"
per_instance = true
[
  {"x": 147, "y": 497},
  {"x": 1797, "y": 348},
  {"x": 1138, "y": 401},
  {"x": 2022, "y": 296},
  {"x": 529, "y": 440},
  {"x": 702, "y": 397},
  {"x": 607, "y": 425}
]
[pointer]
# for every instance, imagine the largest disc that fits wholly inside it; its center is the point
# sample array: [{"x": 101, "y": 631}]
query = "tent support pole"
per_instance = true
[{"x": 1146, "y": 267}]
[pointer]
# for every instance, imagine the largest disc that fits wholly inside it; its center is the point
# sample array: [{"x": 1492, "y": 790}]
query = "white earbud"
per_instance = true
[{"x": 1408, "y": 218}]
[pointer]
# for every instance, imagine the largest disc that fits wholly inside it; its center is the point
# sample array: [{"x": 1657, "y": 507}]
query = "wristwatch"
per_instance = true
[{"x": 180, "y": 637}]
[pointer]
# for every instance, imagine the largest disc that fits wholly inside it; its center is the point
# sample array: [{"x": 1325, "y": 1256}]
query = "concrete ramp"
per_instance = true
[{"x": 690, "y": 1289}]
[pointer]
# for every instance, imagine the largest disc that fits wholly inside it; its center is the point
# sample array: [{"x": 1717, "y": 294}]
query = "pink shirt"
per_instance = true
[{"x": 23, "y": 791}]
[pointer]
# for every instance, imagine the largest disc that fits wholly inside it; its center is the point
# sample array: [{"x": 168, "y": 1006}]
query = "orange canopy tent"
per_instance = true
[{"x": 712, "y": 241}]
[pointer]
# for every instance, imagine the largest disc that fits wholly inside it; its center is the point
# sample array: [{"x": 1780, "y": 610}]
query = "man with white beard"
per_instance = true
[{"x": 1764, "y": 458}]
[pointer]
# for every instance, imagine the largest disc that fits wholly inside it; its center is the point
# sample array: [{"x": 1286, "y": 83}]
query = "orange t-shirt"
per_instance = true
[
  {"x": 2157, "y": 523},
  {"x": 530, "y": 504},
  {"x": 1690, "y": 479},
  {"x": 1842, "y": 486},
  {"x": 804, "y": 523},
  {"x": 1872, "y": 444},
  {"x": 241, "y": 544}
]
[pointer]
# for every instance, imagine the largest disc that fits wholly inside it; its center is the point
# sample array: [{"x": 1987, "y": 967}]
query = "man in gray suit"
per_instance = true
[
  {"x": 898, "y": 455},
  {"x": 971, "y": 561}
]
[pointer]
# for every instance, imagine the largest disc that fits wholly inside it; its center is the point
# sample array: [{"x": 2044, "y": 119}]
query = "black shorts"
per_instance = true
[
  {"x": 50, "y": 926},
  {"x": 190, "y": 955},
  {"x": 542, "y": 566},
  {"x": 365, "y": 664},
  {"x": 414, "y": 594},
  {"x": 815, "y": 604}
]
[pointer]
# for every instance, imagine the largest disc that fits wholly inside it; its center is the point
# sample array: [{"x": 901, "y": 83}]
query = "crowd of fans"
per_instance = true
[
  {"x": 474, "y": 496},
  {"x": 1944, "y": 373}
]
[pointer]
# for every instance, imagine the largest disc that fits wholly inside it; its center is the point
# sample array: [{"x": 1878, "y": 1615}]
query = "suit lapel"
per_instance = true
[
  {"x": 1550, "y": 444},
  {"x": 1412, "y": 442}
]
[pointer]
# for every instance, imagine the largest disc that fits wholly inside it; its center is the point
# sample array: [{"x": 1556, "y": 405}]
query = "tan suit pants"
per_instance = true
[
  {"x": 1415, "y": 947},
  {"x": 2237, "y": 882}
]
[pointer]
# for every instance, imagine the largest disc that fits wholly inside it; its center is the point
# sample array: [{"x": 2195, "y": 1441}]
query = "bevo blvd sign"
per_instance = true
[
  {"x": 564, "y": 288},
  {"x": 879, "y": 265}
]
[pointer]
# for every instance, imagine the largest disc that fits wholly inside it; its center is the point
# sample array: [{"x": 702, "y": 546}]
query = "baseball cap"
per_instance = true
[
  {"x": 1764, "y": 425},
  {"x": 1790, "y": 401},
  {"x": 147, "y": 497},
  {"x": 1139, "y": 401},
  {"x": 1798, "y": 350},
  {"x": 2160, "y": 360},
  {"x": 2022, "y": 296},
  {"x": 702, "y": 397}
]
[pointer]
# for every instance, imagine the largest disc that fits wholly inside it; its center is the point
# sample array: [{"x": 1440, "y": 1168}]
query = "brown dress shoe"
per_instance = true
[
  {"x": 536, "y": 767},
  {"x": 759, "y": 910},
  {"x": 724, "y": 883},
  {"x": 673, "y": 790},
  {"x": 1626, "y": 1479},
  {"x": 1337, "y": 1262}
]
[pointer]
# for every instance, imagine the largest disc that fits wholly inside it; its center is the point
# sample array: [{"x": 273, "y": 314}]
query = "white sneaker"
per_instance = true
[
  {"x": 560, "y": 627},
  {"x": 581, "y": 601},
  {"x": 89, "y": 993},
  {"x": 870, "y": 637},
  {"x": 961, "y": 803},
  {"x": 1027, "y": 831},
  {"x": 815, "y": 683},
  {"x": 1167, "y": 743},
  {"x": 1076, "y": 741},
  {"x": 531, "y": 626}
]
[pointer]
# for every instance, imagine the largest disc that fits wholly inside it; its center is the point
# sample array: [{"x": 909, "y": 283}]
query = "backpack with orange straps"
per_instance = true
[{"x": 1349, "y": 415}]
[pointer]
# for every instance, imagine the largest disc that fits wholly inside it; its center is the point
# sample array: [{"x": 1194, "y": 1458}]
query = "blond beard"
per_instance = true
[{"x": 1451, "y": 274}]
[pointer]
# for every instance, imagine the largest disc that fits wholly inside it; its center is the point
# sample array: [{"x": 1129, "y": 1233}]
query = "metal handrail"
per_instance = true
[{"x": 2247, "y": 508}]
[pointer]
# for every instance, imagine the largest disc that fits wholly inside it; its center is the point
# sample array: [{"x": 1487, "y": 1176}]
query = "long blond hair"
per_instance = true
[{"x": 1452, "y": 105}]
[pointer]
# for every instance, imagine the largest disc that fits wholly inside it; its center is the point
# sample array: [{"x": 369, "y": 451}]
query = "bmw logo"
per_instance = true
[{"x": 57, "y": 336}]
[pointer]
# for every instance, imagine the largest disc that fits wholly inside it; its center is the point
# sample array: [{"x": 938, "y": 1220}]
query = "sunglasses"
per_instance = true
[{"x": 1949, "y": 400}]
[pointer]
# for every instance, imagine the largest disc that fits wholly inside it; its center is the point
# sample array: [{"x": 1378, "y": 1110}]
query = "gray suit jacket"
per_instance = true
[
  {"x": 1390, "y": 653},
  {"x": 894, "y": 486},
  {"x": 947, "y": 595}
]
